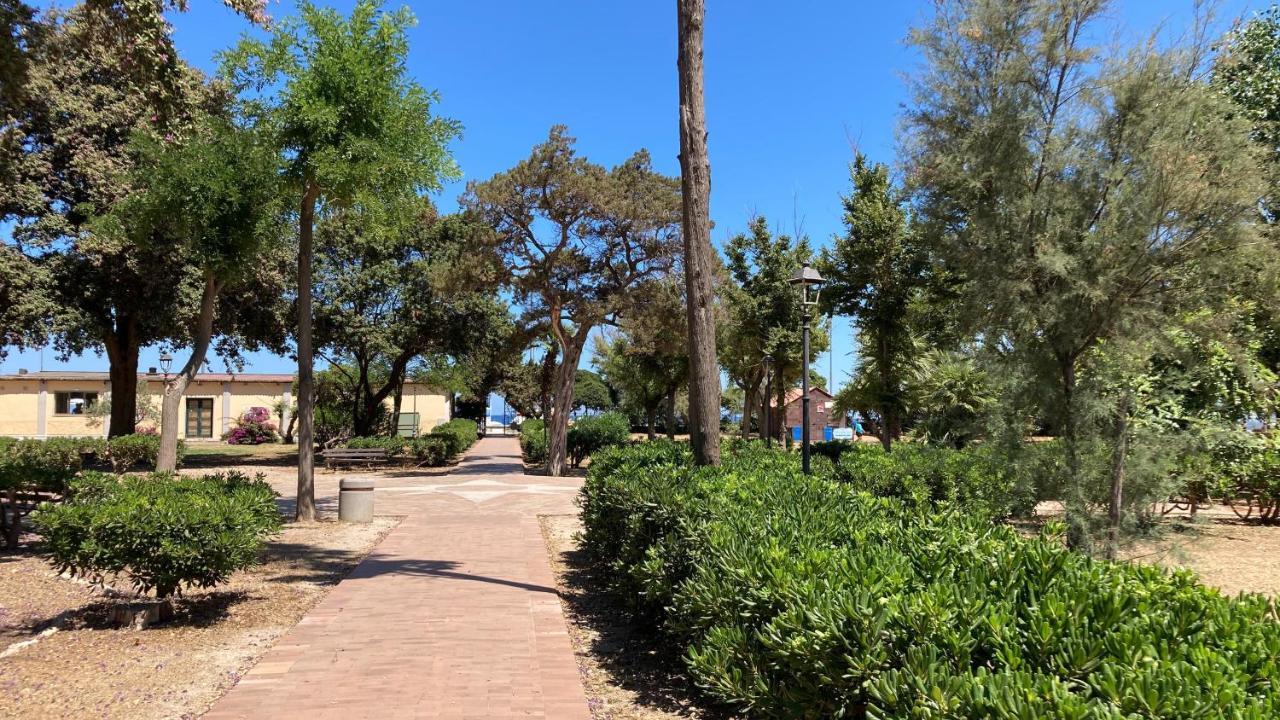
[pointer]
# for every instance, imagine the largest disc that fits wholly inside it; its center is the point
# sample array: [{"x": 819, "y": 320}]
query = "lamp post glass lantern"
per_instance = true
[
  {"x": 166, "y": 361},
  {"x": 810, "y": 283}
]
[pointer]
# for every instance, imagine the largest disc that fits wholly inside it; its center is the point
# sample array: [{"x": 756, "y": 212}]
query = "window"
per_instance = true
[
  {"x": 73, "y": 403},
  {"x": 199, "y": 417}
]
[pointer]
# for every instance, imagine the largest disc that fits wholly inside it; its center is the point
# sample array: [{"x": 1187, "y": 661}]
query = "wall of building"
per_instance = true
[{"x": 431, "y": 406}]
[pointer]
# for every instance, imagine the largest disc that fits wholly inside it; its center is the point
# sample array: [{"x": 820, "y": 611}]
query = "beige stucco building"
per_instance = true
[{"x": 56, "y": 403}]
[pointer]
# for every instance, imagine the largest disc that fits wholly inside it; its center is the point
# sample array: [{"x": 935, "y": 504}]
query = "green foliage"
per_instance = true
[
  {"x": 161, "y": 531},
  {"x": 394, "y": 445},
  {"x": 39, "y": 465},
  {"x": 589, "y": 435},
  {"x": 591, "y": 393},
  {"x": 533, "y": 440},
  {"x": 431, "y": 450},
  {"x": 459, "y": 434},
  {"x": 127, "y": 452},
  {"x": 797, "y": 597}
]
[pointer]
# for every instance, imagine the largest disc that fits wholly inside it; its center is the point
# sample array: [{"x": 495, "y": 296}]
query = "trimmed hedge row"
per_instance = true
[
  {"x": 591, "y": 434},
  {"x": 162, "y": 531},
  {"x": 796, "y": 596},
  {"x": 533, "y": 440},
  {"x": 434, "y": 449}
]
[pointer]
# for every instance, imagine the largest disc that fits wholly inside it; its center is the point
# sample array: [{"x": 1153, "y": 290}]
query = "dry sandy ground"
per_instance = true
[
  {"x": 625, "y": 675},
  {"x": 1226, "y": 553},
  {"x": 90, "y": 669}
]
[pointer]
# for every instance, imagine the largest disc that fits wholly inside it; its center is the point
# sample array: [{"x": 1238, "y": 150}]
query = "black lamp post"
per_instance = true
[
  {"x": 810, "y": 283},
  {"x": 166, "y": 361},
  {"x": 767, "y": 363}
]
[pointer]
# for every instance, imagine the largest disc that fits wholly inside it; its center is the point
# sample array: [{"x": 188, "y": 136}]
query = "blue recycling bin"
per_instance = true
[
  {"x": 795, "y": 433},
  {"x": 827, "y": 433}
]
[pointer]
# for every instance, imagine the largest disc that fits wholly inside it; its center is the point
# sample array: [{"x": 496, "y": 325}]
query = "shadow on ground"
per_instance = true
[{"x": 627, "y": 648}]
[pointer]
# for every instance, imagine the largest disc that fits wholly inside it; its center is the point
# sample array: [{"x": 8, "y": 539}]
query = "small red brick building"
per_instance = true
[{"x": 821, "y": 412}]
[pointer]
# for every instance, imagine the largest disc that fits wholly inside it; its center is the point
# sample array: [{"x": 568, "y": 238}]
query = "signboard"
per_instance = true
[{"x": 842, "y": 433}]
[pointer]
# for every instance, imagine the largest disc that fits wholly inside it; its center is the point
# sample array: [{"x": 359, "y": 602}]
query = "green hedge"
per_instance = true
[
  {"x": 395, "y": 445},
  {"x": 127, "y": 452},
  {"x": 161, "y": 531},
  {"x": 460, "y": 433},
  {"x": 795, "y": 596},
  {"x": 533, "y": 440},
  {"x": 431, "y": 450},
  {"x": 589, "y": 435}
]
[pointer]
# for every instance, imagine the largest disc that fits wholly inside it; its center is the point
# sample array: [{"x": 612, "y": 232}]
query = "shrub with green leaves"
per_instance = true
[
  {"x": 533, "y": 440},
  {"x": 431, "y": 450},
  {"x": 127, "y": 452},
  {"x": 796, "y": 596},
  {"x": 591, "y": 434},
  {"x": 394, "y": 444},
  {"x": 459, "y": 433},
  {"x": 162, "y": 532}
]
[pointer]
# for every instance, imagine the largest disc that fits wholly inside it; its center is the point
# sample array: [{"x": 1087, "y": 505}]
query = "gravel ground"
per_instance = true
[
  {"x": 626, "y": 676},
  {"x": 81, "y": 666}
]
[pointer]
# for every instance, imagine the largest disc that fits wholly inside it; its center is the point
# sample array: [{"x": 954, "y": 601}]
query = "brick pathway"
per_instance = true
[{"x": 453, "y": 615}]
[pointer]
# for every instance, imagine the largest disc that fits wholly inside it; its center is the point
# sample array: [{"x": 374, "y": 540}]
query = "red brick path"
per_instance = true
[{"x": 453, "y": 615}]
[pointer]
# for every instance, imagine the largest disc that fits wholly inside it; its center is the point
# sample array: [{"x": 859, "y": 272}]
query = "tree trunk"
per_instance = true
[
  {"x": 671, "y": 414},
  {"x": 396, "y": 401},
  {"x": 167, "y": 459},
  {"x": 122, "y": 356},
  {"x": 306, "y": 504},
  {"x": 750, "y": 392},
  {"x": 695, "y": 185},
  {"x": 780, "y": 409},
  {"x": 651, "y": 418},
  {"x": 1076, "y": 508},
  {"x": 562, "y": 401},
  {"x": 1118, "y": 454},
  {"x": 888, "y": 410}
]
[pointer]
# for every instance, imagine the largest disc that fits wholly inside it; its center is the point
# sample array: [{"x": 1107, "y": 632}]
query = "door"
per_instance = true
[{"x": 199, "y": 417}]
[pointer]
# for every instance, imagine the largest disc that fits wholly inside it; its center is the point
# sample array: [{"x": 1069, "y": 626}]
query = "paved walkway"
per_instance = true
[{"x": 453, "y": 615}]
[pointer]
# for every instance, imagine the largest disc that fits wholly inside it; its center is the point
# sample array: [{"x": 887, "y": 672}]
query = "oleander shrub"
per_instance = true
[
  {"x": 591, "y": 434},
  {"x": 162, "y": 532},
  {"x": 127, "y": 452},
  {"x": 431, "y": 450},
  {"x": 460, "y": 433},
  {"x": 797, "y": 596},
  {"x": 533, "y": 440},
  {"x": 253, "y": 427},
  {"x": 393, "y": 444}
]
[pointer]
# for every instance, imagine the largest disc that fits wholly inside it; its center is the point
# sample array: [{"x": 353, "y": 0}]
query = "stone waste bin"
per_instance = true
[{"x": 355, "y": 500}]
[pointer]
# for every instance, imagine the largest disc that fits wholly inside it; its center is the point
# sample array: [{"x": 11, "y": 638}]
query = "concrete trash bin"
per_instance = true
[{"x": 355, "y": 500}]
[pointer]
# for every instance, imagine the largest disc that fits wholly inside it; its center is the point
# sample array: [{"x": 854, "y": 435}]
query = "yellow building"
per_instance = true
[{"x": 57, "y": 403}]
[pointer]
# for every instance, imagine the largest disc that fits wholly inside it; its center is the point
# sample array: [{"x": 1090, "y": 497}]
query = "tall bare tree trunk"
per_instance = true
[
  {"x": 562, "y": 400},
  {"x": 122, "y": 355},
  {"x": 167, "y": 459},
  {"x": 888, "y": 406},
  {"x": 651, "y": 418},
  {"x": 306, "y": 505},
  {"x": 671, "y": 414},
  {"x": 1119, "y": 454},
  {"x": 695, "y": 185}
]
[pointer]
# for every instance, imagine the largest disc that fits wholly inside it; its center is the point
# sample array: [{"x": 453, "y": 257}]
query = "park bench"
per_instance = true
[{"x": 353, "y": 456}]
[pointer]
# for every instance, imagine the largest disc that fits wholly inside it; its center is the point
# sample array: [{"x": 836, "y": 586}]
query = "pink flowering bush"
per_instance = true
[{"x": 254, "y": 427}]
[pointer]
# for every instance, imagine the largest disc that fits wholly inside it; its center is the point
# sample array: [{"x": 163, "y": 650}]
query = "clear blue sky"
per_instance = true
[{"x": 791, "y": 87}]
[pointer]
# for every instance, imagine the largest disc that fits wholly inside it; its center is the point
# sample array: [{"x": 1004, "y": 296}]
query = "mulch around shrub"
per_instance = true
[{"x": 81, "y": 665}]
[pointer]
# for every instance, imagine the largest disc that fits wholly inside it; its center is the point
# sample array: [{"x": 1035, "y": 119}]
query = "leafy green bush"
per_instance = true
[
  {"x": 394, "y": 445},
  {"x": 163, "y": 532},
  {"x": 460, "y": 433},
  {"x": 533, "y": 440},
  {"x": 591, "y": 434},
  {"x": 794, "y": 596},
  {"x": 129, "y": 451},
  {"x": 431, "y": 450},
  {"x": 832, "y": 449},
  {"x": 39, "y": 465}
]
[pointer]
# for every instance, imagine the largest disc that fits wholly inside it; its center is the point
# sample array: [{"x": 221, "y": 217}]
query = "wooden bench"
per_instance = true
[{"x": 353, "y": 456}]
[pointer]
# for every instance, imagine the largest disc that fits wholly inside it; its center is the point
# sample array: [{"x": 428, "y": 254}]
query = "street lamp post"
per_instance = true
[
  {"x": 767, "y": 363},
  {"x": 166, "y": 361},
  {"x": 810, "y": 283}
]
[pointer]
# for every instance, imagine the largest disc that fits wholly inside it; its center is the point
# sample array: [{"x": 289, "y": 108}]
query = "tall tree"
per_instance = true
[
  {"x": 647, "y": 360},
  {"x": 348, "y": 120},
  {"x": 577, "y": 239},
  {"x": 68, "y": 161},
  {"x": 699, "y": 257},
  {"x": 1080, "y": 196},
  {"x": 874, "y": 271},
  {"x": 764, "y": 313},
  {"x": 210, "y": 197}
]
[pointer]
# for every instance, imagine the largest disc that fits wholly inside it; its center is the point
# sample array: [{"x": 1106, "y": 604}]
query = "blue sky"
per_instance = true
[{"x": 791, "y": 88}]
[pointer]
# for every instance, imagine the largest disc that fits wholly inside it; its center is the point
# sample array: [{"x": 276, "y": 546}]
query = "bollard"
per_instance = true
[{"x": 355, "y": 500}]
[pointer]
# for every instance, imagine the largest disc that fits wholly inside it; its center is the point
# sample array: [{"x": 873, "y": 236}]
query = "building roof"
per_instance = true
[
  {"x": 794, "y": 394},
  {"x": 97, "y": 376}
]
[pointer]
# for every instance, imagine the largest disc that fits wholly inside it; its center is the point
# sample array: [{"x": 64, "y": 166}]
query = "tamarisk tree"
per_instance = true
[{"x": 578, "y": 239}]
